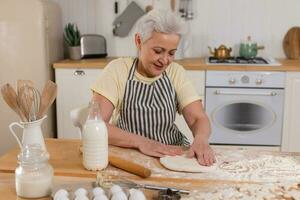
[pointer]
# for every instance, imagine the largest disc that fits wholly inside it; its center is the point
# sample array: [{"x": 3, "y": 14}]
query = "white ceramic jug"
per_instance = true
[{"x": 32, "y": 133}]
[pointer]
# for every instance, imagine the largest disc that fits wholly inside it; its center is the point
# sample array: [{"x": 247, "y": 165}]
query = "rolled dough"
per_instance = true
[{"x": 184, "y": 164}]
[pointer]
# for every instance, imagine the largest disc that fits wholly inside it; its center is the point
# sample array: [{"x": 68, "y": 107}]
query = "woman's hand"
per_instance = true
[
  {"x": 157, "y": 149},
  {"x": 202, "y": 151}
]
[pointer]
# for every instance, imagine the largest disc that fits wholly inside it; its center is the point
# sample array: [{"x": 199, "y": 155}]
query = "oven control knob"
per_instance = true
[
  {"x": 231, "y": 81},
  {"x": 245, "y": 79},
  {"x": 258, "y": 81}
]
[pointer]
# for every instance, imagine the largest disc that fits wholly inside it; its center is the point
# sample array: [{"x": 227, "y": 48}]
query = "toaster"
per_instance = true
[{"x": 93, "y": 46}]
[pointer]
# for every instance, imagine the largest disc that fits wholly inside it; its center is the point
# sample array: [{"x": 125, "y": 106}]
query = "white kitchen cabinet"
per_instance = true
[
  {"x": 198, "y": 79},
  {"x": 73, "y": 91},
  {"x": 291, "y": 124}
]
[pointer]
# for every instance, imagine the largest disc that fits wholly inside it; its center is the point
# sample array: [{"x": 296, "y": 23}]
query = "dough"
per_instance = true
[{"x": 184, "y": 164}]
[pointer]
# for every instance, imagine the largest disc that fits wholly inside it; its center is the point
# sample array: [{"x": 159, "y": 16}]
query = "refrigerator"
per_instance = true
[{"x": 31, "y": 39}]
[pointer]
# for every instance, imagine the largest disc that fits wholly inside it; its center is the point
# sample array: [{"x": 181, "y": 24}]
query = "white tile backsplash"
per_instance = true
[{"x": 215, "y": 22}]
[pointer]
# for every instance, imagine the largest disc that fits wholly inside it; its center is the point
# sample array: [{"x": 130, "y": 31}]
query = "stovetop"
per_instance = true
[{"x": 257, "y": 61}]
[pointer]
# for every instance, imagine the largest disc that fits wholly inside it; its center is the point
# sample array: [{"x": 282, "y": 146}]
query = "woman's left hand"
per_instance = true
[{"x": 202, "y": 151}]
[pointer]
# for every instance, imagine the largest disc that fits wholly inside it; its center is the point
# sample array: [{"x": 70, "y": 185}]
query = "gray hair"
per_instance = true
[{"x": 162, "y": 21}]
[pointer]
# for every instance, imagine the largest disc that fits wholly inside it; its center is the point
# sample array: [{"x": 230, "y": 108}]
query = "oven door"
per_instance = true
[{"x": 245, "y": 116}]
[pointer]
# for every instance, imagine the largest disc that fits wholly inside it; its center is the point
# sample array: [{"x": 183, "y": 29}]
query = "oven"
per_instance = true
[{"x": 245, "y": 107}]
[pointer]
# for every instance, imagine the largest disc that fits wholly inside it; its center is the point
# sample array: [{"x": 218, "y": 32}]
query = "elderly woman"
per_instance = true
[{"x": 142, "y": 95}]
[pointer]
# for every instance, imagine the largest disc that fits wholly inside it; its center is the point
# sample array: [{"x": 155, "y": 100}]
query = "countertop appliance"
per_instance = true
[
  {"x": 31, "y": 36},
  {"x": 256, "y": 61},
  {"x": 93, "y": 46},
  {"x": 245, "y": 107}
]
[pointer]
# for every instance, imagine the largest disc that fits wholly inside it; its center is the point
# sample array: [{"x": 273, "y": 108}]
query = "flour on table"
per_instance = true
[
  {"x": 265, "y": 168},
  {"x": 184, "y": 164},
  {"x": 272, "y": 191}
]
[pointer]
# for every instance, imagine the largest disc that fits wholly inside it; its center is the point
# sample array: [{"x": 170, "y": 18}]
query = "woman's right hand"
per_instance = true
[{"x": 154, "y": 148}]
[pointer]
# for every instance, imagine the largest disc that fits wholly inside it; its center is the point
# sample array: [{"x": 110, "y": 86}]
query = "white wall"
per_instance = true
[{"x": 216, "y": 22}]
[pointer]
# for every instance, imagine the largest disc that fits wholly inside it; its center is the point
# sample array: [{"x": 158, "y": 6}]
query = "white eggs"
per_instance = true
[
  {"x": 80, "y": 192},
  {"x": 100, "y": 197},
  {"x": 97, "y": 191},
  {"x": 136, "y": 195},
  {"x": 61, "y": 194},
  {"x": 119, "y": 196},
  {"x": 115, "y": 189}
]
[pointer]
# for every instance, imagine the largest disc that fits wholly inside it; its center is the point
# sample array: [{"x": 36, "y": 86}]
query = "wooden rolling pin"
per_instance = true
[{"x": 129, "y": 166}]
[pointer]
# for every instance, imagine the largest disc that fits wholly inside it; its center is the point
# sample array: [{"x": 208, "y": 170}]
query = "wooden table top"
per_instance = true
[{"x": 66, "y": 160}]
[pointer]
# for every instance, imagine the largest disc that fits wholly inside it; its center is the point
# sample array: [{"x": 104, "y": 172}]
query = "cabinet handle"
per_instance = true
[{"x": 79, "y": 73}]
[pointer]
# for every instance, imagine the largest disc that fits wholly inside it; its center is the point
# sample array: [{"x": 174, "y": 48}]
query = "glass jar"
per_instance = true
[{"x": 34, "y": 175}]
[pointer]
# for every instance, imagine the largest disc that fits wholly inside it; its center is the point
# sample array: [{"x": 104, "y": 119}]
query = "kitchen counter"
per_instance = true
[
  {"x": 67, "y": 163},
  {"x": 188, "y": 63}
]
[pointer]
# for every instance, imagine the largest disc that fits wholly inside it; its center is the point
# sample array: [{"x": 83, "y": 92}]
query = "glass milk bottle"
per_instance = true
[
  {"x": 34, "y": 175},
  {"x": 95, "y": 140}
]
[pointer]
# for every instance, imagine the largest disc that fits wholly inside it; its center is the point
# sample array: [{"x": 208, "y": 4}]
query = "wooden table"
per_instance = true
[{"x": 66, "y": 160}]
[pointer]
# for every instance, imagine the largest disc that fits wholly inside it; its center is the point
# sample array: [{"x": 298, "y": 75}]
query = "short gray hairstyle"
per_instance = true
[{"x": 162, "y": 21}]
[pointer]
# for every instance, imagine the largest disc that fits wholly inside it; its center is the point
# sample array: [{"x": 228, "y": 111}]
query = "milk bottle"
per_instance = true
[{"x": 95, "y": 140}]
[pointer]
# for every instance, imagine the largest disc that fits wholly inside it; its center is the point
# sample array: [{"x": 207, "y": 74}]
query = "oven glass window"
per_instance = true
[{"x": 244, "y": 117}]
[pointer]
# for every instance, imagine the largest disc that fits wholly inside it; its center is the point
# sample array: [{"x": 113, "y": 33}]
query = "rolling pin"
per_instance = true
[
  {"x": 129, "y": 166},
  {"x": 126, "y": 165}
]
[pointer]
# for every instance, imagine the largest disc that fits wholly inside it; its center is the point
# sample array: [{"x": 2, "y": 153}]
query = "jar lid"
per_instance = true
[{"x": 32, "y": 153}]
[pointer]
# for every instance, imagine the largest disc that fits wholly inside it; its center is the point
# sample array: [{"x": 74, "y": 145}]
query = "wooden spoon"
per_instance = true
[
  {"x": 173, "y": 5},
  {"x": 22, "y": 83},
  {"x": 25, "y": 100},
  {"x": 10, "y": 97},
  {"x": 47, "y": 98}
]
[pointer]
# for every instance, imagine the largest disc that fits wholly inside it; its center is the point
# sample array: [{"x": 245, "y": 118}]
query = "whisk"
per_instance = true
[
  {"x": 106, "y": 181},
  {"x": 29, "y": 102},
  {"x": 130, "y": 184}
]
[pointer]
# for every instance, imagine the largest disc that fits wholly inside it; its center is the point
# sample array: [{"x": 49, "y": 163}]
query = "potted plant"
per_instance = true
[{"x": 72, "y": 38}]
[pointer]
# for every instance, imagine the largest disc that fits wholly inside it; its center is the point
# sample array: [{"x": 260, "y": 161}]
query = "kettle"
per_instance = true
[
  {"x": 220, "y": 53},
  {"x": 249, "y": 49}
]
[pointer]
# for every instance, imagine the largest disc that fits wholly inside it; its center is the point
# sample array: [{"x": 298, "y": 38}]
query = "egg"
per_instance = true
[
  {"x": 115, "y": 189},
  {"x": 136, "y": 195},
  {"x": 119, "y": 196},
  {"x": 98, "y": 191},
  {"x": 81, "y": 197},
  {"x": 61, "y": 198},
  {"x": 100, "y": 197},
  {"x": 80, "y": 192},
  {"x": 61, "y": 193}
]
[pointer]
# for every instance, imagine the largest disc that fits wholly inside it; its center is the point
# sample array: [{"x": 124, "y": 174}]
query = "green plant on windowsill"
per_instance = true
[{"x": 72, "y": 38}]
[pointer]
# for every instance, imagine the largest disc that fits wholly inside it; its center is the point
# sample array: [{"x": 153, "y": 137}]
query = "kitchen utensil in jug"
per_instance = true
[
  {"x": 248, "y": 49},
  {"x": 32, "y": 133},
  {"x": 29, "y": 101},
  {"x": 48, "y": 96}
]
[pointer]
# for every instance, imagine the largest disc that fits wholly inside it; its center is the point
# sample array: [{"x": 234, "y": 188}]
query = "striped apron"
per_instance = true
[{"x": 150, "y": 110}]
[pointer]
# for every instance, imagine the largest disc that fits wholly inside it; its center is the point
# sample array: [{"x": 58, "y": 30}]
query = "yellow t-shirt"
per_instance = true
[{"x": 111, "y": 83}]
